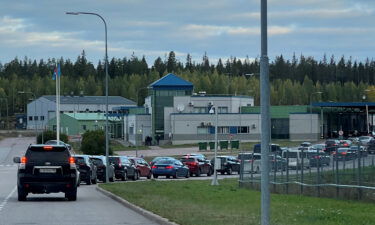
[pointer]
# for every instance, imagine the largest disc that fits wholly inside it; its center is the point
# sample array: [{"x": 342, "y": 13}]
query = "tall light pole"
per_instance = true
[
  {"x": 318, "y": 92},
  {"x": 214, "y": 180},
  {"x": 367, "y": 119},
  {"x": 36, "y": 127},
  {"x": 265, "y": 117},
  {"x": 106, "y": 86},
  {"x": 6, "y": 102}
]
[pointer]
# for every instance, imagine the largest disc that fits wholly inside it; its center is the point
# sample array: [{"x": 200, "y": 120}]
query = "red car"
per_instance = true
[
  {"x": 144, "y": 169},
  {"x": 197, "y": 165}
]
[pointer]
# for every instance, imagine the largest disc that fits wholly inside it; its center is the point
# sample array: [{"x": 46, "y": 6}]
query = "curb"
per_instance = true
[{"x": 149, "y": 215}]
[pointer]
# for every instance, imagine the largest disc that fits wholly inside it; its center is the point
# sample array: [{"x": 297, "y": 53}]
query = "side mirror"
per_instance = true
[{"x": 17, "y": 160}]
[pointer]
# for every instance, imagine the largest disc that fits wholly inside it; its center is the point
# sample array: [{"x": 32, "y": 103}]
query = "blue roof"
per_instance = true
[
  {"x": 343, "y": 104},
  {"x": 171, "y": 82}
]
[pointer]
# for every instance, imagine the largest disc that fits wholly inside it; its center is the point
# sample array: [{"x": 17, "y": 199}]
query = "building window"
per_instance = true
[
  {"x": 83, "y": 127},
  {"x": 42, "y": 118},
  {"x": 131, "y": 130},
  {"x": 30, "y": 118},
  {"x": 223, "y": 130},
  {"x": 243, "y": 130},
  {"x": 202, "y": 130},
  {"x": 223, "y": 110},
  {"x": 35, "y": 118},
  {"x": 200, "y": 110}
]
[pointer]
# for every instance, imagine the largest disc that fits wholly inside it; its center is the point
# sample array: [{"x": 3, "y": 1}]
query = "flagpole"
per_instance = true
[{"x": 57, "y": 105}]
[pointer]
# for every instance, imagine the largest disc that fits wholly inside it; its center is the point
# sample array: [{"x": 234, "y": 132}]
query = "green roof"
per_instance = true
[
  {"x": 91, "y": 116},
  {"x": 278, "y": 112}
]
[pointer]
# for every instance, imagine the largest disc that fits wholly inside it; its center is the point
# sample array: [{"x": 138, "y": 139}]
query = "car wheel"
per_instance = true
[
  {"x": 94, "y": 181},
  {"x": 135, "y": 175},
  {"x": 71, "y": 195},
  {"x": 198, "y": 173},
  {"x": 229, "y": 171},
  {"x": 209, "y": 172},
  {"x": 155, "y": 176},
  {"x": 175, "y": 175},
  {"x": 222, "y": 172},
  {"x": 88, "y": 181},
  {"x": 111, "y": 179},
  {"x": 124, "y": 177},
  {"x": 149, "y": 176},
  {"x": 22, "y": 194},
  {"x": 167, "y": 176},
  {"x": 187, "y": 174}
]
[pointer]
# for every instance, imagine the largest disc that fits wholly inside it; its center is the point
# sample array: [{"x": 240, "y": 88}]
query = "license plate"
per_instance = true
[
  {"x": 161, "y": 167},
  {"x": 47, "y": 170}
]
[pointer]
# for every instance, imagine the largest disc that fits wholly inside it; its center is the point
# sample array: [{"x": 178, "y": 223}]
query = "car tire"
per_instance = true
[
  {"x": 222, "y": 172},
  {"x": 135, "y": 177},
  {"x": 229, "y": 171},
  {"x": 198, "y": 173},
  {"x": 167, "y": 176},
  {"x": 187, "y": 175},
  {"x": 124, "y": 177},
  {"x": 71, "y": 195},
  {"x": 149, "y": 176},
  {"x": 22, "y": 194},
  {"x": 175, "y": 175},
  {"x": 94, "y": 181},
  {"x": 155, "y": 176},
  {"x": 88, "y": 181},
  {"x": 111, "y": 179},
  {"x": 209, "y": 172}
]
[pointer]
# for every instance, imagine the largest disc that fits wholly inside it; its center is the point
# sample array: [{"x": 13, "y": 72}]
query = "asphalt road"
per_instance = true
[{"x": 91, "y": 206}]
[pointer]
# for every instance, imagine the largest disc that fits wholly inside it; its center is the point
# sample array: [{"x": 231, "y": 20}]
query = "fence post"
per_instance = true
[
  {"x": 275, "y": 169},
  {"x": 318, "y": 172},
  {"x": 302, "y": 168},
  {"x": 287, "y": 171},
  {"x": 359, "y": 174},
  {"x": 337, "y": 173},
  {"x": 252, "y": 170}
]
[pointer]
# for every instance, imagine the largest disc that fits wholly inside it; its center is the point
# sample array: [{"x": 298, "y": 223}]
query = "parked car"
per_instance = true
[
  {"x": 305, "y": 144},
  {"x": 343, "y": 154},
  {"x": 197, "y": 165},
  {"x": 47, "y": 169},
  {"x": 87, "y": 170},
  {"x": 170, "y": 168},
  {"x": 196, "y": 155},
  {"x": 124, "y": 168},
  {"x": 54, "y": 142},
  {"x": 228, "y": 164},
  {"x": 354, "y": 150},
  {"x": 345, "y": 143},
  {"x": 159, "y": 158},
  {"x": 371, "y": 147},
  {"x": 319, "y": 158},
  {"x": 277, "y": 163},
  {"x": 296, "y": 159},
  {"x": 274, "y": 148},
  {"x": 364, "y": 140},
  {"x": 144, "y": 169},
  {"x": 100, "y": 162},
  {"x": 331, "y": 145},
  {"x": 251, "y": 162},
  {"x": 319, "y": 147}
]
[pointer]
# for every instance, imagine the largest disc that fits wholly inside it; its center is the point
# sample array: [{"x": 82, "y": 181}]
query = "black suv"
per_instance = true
[
  {"x": 124, "y": 169},
  {"x": 87, "y": 169},
  {"x": 228, "y": 165},
  {"x": 47, "y": 169},
  {"x": 100, "y": 162}
]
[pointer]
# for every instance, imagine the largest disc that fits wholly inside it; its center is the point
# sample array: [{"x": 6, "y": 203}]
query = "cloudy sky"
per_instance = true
[{"x": 222, "y": 28}]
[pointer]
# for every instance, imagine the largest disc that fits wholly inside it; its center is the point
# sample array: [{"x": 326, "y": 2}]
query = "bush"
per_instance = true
[
  {"x": 50, "y": 135},
  {"x": 93, "y": 143}
]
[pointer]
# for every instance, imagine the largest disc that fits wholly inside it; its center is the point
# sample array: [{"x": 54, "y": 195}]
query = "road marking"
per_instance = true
[{"x": 7, "y": 198}]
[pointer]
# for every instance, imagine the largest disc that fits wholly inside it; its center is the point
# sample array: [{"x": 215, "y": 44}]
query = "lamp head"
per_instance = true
[{"x": 72, "y": 13}]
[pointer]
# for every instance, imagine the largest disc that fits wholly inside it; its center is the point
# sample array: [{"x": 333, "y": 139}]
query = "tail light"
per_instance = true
[
  {"x": 154, "y": 167},
  {"x": 72, "y": 163},
  {"x": 23, "y": 162},
  {"x": 169, "y": 167},
  {"x": 317, "y": 157},
  {"x": 192, "y": 163},
  {"x": 47, "y": 147},
  {"x": 343, "y": 153}
]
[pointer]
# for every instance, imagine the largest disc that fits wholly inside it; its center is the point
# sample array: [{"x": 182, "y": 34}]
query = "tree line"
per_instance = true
[{"x": 292, "y": 81}]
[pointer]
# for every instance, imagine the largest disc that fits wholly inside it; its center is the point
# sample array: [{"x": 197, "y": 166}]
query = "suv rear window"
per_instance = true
[
  {"x": 187, "y": 160},
  {"x": 79, "y": 160},
  {"x": 115, "y": 160},
  {"x": 98, "y": 162},
  {"x": 50, "y": 153}
]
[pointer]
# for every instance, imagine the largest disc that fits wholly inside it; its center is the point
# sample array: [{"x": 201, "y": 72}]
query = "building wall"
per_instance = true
[
  {"x": 139, "y": 126},
  {"x": 185, "y": 127},
  {"x": 304, "y": 127}
]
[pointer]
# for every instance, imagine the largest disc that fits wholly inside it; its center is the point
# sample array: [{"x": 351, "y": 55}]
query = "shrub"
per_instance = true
[
  {"x": 93, "y": 143},
  {"x": 50, "y": 135}
]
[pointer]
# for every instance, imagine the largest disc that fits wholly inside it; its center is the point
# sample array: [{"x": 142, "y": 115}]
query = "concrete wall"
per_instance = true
[
  {"x": 304, "y": 127},
  {"x": 141, "y": 127},
  {"x": 185, "y": 127}
]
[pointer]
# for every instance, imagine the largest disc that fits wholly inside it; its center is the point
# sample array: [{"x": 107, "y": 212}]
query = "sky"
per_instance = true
[{"x": 40, "y": 29}]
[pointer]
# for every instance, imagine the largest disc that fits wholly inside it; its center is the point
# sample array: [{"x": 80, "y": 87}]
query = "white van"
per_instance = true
[{"x": 295, "y": 158}]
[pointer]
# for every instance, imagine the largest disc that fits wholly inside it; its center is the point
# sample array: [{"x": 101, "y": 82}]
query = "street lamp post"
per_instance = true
[
  {"x": 106, "y": 85},
  {"x": 6, "y": 102},
  {"x": 35, "y": 125},
  {"x": 318, "y": 92},
  {"x": 214, "y": 180},
  {"x": 367, "y": 119}
]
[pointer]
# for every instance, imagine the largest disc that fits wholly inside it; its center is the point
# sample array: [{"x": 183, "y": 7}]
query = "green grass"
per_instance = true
[
  {"x": 115, "y": 146},
  {"x": 196, "y": 202},
  {"x": 179, "y": 146}
]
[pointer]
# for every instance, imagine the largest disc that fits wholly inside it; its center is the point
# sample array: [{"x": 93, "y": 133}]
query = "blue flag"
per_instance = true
[{"x": 56, "y": 72}]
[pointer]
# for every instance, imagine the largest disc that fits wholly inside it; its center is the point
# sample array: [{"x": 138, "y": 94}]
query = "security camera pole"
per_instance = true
[{"x": 265, "y": 118}]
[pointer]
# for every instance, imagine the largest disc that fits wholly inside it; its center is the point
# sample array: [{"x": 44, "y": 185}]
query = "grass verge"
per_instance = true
[{"x": 196, "y": 202}]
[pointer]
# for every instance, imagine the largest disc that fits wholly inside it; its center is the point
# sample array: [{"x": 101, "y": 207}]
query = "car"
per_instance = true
[
  {"x": 87, "y": 169},
  {"x": 251, "y": 162},
  {"x": 100, "y": 162},
  {"x": 54, "y": 142},
  {"x": 331, "y": 145},
  {"x": 354, "y": 150},
  {"x": 319, "y": 147},
  {"x": 305, "y": 144},
  {"x": 144, "y": 169},
  {"x": 170, "y": 168},
  {"x": 195, "y": 155},
  {"x": 197, "y": 165},
  {"x": 364, "y": 140},
  {"x": 319, "y": 158},
  {"x": 345, "y": 143},
  {"x": 277, "y": 163},
  {"x": 371, "y": 147},
  {"x": 47, "y": 169},
  {"x": 159, "y": 158},
  {"x": 124, "y": 168},
  {"x": 296, "y": 158},
  {"x": 274, "y": 148},
  {"x": 228, "y": 164},
  {"x": 343, "y": 154}
]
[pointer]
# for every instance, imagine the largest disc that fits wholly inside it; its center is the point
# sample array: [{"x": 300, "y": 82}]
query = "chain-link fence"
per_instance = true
[{"x": 347, "y": 173}]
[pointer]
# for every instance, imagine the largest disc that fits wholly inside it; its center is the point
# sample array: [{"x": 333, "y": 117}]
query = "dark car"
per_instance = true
[
  {"x": 277, "y": 163},
  {"x": 228, "y": 165},
  {"x": 344, "y": 154},
  {"x": 354, "y": 150},
  {"x": 318, "y": 158},
  {"x": 54, "y": 142},
  {"x": 371, "y": 147},
  {"x": 47, "y": 169},
  {"x": 160, "y": 158},
  {"x": 345, "y": 143},
  {"x": 331, "y": 145},
  {"x": 124, "y": 168},
  {"x": 87, "y": 170},
  {"x": 197, "y": 165},
  {"x": 100, "y": 163},
  {"x": 144, "y": 169},
  {"x": 170, "y": 168},
  {"x": 274, "y": 148}
]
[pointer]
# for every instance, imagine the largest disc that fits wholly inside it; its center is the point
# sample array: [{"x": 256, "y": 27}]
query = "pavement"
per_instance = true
[
  {"x": 158, "y": 151},
  {"x": 91, "y": 207}
]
